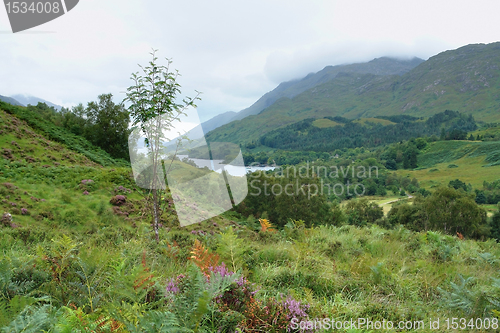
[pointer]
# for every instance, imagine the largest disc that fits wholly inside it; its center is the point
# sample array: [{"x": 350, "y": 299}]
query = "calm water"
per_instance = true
[{"x": 231, "y": 169}]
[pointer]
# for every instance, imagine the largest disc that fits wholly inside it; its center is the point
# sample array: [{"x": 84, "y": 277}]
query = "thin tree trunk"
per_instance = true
[{"x": 156, "y": 215}]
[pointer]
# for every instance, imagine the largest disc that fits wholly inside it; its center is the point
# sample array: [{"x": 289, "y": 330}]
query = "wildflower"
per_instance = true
[
  {"x": 85, "y": 193},
  {"x": 24, "y": 211},
  {"x": 118, "y": 200},
  {"x": 173, "y": 284},
  {"x": 221, "y": 270},
  {"x": 294, "y": 309}
]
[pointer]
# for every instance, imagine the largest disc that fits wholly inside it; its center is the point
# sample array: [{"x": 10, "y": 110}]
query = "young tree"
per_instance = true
[{"x": 154, "y": 108}]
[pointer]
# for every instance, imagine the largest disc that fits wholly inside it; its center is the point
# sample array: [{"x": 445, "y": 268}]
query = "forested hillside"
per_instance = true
[{"x": 329, "y": 134}]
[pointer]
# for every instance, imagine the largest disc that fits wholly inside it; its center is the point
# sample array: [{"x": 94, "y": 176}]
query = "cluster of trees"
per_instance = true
[
  {"x": 287, "y": 197},
  {"x": 303, "y": 135},
  {"x": 103, "y": 123},
  {"x": 490, "y": 194},
  {"x": 403, "y": 154},
  {"x": 447, "y": 209}
]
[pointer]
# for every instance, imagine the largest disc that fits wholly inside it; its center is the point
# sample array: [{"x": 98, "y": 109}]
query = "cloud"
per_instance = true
[{"x": 233, "y": 52}]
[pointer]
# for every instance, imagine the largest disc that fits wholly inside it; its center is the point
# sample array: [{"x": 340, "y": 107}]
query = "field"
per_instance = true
[{"x": 443, "y": 161}]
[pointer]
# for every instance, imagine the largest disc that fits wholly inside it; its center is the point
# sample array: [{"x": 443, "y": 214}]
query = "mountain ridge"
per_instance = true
[
  {"x": 466, "y": 79},
  {"x": 33, "y": 100},
  {"x": 290, "y": 89},
  {"x": 10, "y": 100}
]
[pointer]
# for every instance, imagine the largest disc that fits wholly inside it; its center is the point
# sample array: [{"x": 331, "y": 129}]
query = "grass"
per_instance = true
[
  {"x": 15, "y": 119},
  {"x": 468, "y": 161},
  {"x": 384, "y": 202},
  {"x": 368, "y": 121},
  {"x": 325, "y": 123},
  {"x": 340, "y": 272}
]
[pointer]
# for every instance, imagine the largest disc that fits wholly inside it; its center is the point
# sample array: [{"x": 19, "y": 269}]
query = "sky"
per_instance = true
[{"x": 231, "y": 51}]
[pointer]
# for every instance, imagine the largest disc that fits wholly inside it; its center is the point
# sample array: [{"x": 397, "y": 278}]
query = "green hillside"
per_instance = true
[
  {"x": 79, "y": 254},
  {"x": 444, "y": 161},
  {"x": 465, "y": 80},
  {"x": 364, "y": 132},
  {"x": 58, "y": 134}
]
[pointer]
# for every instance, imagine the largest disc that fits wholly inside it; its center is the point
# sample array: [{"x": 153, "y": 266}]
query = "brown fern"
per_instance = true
[
  {"x": 265, "y": 225},
  {"x": 203, "y": 258}
]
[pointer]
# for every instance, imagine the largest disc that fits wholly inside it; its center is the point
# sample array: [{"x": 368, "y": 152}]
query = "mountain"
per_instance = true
[
  {"x": 218, "y": 121},
  {"x": 27, "y": 99},
  {"x": 465, "y": 80},
  {"x": 380, "y": 66},
  {"x": 199, "y": 131},
  {"x": 9, "y": 100}
]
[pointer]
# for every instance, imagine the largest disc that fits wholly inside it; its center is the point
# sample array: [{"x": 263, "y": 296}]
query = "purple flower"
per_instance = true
[
  {"x": 221, "y": 270},
  {"x": 241, "y": 281},
  {"x": 43, "y": 200},
  {"x": 13, "y": 204},
  {"x": 173, "y": 284},
  {"x": 85, "y": 193},
  {"x": 294, "y": 309},
  {"x": 172, "y": 287},
  {"x": 85, "y": 181},
  {"x": 24, "y": 211}
]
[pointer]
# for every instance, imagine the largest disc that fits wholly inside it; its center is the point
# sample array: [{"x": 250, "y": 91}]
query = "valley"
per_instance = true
[{"x": 382, "y": 202}]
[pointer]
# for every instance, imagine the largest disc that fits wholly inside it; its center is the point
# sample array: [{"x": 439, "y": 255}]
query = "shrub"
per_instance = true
[
  {"x": 118, "y": 200},
  {"x": 361, "y": 212}
]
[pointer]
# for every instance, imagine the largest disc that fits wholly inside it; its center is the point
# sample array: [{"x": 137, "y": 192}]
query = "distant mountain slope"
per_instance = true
[
  {"x": 217, "y": 121},
  {"x": 9, "y": 100},
  {"x": 27, "y": 99},
  {"x": 380, "y": 66},
  {"x": 465, "y": 80}
]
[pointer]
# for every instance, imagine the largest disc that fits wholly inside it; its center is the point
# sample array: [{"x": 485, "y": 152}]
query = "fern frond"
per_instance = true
[
  {"x": 32, "y": 320},
  {"x": 230, "y": 247},
  {"x": 266, "y": 225},
  {"x": 203, "y": 258}
]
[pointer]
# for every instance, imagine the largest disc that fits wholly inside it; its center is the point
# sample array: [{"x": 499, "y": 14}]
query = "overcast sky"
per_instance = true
[{"x": 232, "y": 51}]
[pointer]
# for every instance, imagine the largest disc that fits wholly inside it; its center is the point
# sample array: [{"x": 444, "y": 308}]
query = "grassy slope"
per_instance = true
[
  {"x": 47, "y": 180},
  {"x": 341, "y": 272},
  {"x": 61, "y": 135},
  {"x": 45, "y": 177},
  {"x": 470, "y": 157}
]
